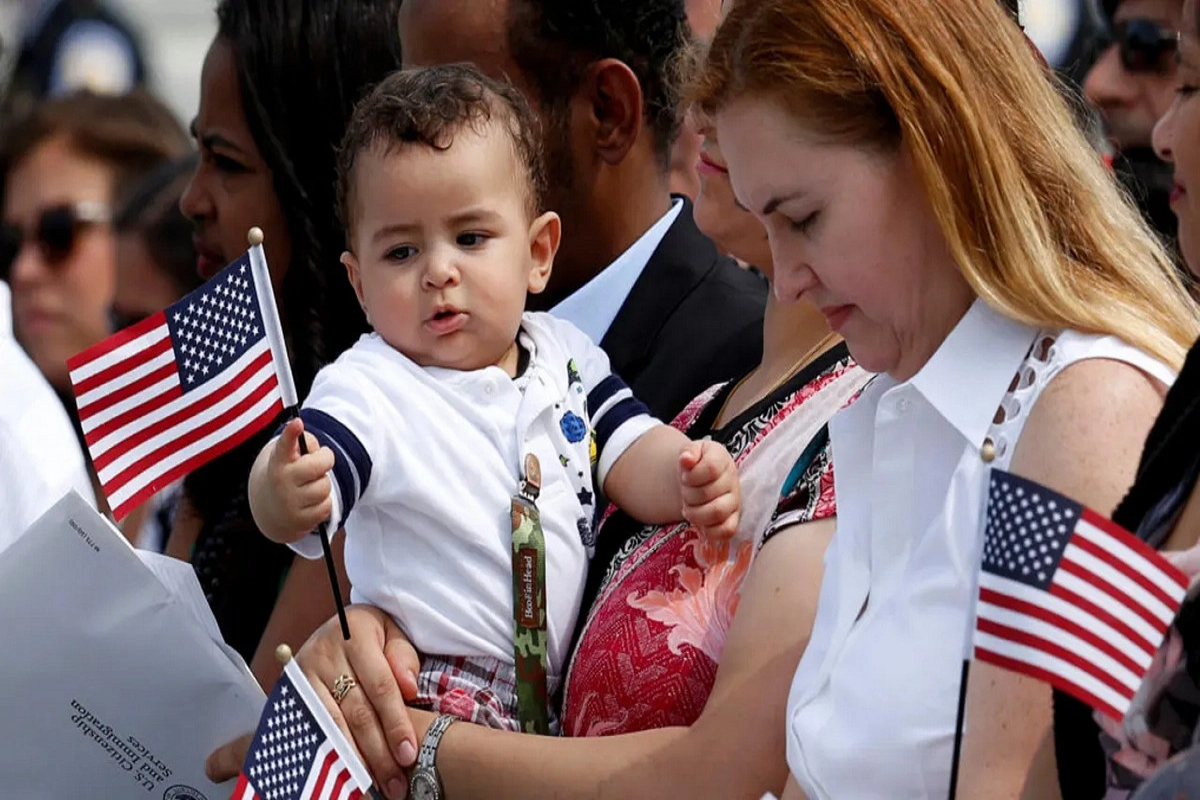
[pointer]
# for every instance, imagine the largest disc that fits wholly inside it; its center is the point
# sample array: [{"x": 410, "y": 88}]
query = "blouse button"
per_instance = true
[
  {"x": 988, "y": 451},
  {"x": 903, "y": 406}
]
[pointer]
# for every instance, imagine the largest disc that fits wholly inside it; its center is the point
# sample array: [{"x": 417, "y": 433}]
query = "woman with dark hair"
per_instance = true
[{"x": 278, "y": 86}]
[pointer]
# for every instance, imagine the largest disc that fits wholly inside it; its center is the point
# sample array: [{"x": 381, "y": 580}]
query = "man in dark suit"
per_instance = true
[{"x": 633, "y": 271}]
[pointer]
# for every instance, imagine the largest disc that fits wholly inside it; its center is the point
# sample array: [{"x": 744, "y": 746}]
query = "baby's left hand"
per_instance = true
[{"x": 712, "y": 500}]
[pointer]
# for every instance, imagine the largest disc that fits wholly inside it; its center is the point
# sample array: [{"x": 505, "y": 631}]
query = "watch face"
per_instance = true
[{"x": 424, "y": 786}]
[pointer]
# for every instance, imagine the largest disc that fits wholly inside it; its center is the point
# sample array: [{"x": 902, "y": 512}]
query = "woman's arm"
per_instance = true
[
  {"x": 185, "y": 530},
  {"x": 735, "y": 749},
  {"x": 1083, "y": 439},
  {"x": 305, "y": 602}
]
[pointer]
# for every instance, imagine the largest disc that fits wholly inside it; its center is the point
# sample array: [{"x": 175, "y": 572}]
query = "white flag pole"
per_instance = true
[
  {"x": 287, "y": 388},
  {"x": 274, "y": 327}
]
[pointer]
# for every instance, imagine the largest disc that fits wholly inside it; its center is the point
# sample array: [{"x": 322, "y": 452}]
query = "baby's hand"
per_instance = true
[
  {"x": 712, "y": 500},
  {"x": 290, "y": 494}
]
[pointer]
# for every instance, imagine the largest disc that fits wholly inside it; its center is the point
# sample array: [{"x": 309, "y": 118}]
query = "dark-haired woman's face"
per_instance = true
[
  {"x": 1177, "y": 139},
  {"x": 232, "y": 190}
]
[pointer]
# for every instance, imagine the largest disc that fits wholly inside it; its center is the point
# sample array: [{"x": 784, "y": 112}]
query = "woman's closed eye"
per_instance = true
[
  {"x": 222, "y": 163},
  {"x": 803, "y": 225}
]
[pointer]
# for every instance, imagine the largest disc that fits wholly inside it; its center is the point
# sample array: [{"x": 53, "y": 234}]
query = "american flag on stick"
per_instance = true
[
  {"x": 180, "y": 388},
  {"x": 298, "y": 752},
  {"x": 1068, "y": 597}
]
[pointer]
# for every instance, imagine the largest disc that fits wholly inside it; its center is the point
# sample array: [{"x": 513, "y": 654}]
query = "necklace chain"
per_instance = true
[{"x": 820, "y": 347}]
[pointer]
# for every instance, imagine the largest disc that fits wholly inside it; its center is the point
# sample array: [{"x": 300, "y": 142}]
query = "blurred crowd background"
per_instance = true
[{"x": 172, "y": 36}]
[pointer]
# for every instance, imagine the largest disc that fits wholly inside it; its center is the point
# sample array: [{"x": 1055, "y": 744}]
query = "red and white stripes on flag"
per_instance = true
[
  {"x": 1068, "y": 597},
  {"x": 180, "y": 388},
  {"x": 298, "y": 752},
  {"x": 329, "y": 780}
]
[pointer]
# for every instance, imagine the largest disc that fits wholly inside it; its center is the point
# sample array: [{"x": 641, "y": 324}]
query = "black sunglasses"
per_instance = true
[
  {"x": 1143, "y": 44},
  {"x": 55, "y": 233}
]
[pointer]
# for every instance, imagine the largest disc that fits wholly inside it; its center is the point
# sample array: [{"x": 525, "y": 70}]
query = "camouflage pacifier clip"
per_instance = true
[{"x": 529, "y": 602}]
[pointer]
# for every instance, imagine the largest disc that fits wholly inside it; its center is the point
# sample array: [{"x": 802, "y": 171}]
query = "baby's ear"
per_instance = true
[
  {"x": 545, "y": 233},
  {"x": 350, "y": 262}
]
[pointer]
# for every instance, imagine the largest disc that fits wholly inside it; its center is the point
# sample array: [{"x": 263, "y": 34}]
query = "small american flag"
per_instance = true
[
  {"x": 1068, "y": 597},
  {"x": 180, "y": 388},
  {"x": 298, "y": 752}
]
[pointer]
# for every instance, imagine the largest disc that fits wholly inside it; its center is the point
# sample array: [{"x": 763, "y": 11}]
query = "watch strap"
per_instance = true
[{"x": 427, "y": 755}]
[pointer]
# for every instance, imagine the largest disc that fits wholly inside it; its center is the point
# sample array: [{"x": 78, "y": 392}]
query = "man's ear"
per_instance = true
[
  {"x": 351, "y": 263},
  {"x": 545, "y": 233},
  {"x": 616, "y": 107}
]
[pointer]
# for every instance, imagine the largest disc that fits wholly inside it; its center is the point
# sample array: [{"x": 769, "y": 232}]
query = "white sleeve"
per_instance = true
[
  {"x": 618, "y": 418},
  {"x": 338, "y": 413}
]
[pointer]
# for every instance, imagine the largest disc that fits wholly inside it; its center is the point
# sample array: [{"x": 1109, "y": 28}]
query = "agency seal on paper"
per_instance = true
[{"x": 183, "y": 793}]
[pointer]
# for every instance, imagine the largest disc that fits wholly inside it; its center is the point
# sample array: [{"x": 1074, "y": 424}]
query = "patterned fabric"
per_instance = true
[
  {"x": 648, "y": 653},
  {"x": 480, "y": 690}
]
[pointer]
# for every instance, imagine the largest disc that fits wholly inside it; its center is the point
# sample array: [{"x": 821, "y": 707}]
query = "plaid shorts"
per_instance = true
[{"x": 476, "y": 689}]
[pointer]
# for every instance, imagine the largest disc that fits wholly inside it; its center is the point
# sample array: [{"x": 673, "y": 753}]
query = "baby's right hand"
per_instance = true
[{"x": 289, "y": 493}]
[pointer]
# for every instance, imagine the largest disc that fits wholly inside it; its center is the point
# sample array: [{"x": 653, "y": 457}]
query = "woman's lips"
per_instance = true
[
  {"x": 1177, "y": 192},
  {"x": 33, "y": 321},
  {"x": 836, "y": 316},
  {"x": 208, "y": 265},
  {"x": 706, "y": 166}
]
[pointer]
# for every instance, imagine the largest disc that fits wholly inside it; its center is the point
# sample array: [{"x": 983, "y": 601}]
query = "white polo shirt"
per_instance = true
[
  {"x": 428, "y": 460},
  {"x": 873, "y": 704}
]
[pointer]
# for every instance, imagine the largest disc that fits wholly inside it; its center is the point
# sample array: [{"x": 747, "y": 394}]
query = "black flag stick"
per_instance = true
[
  {"x": 958, "y": 727},
  {"x": 258, "y": 262},
  {"x": 323, "y": 533}
]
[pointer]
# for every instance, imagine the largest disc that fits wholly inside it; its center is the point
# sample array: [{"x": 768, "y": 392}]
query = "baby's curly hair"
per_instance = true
[{"x": 429, "y": 106}]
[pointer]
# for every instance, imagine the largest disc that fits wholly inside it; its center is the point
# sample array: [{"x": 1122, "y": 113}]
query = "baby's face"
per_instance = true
[{"x": 443, "y": 249}]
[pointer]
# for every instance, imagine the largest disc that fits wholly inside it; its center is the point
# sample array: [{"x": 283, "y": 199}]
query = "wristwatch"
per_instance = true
[{"x": 425, "y": 783}]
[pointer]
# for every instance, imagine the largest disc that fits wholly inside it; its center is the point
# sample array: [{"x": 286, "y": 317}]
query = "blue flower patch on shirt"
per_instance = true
[{"x": 573, "y": 427}]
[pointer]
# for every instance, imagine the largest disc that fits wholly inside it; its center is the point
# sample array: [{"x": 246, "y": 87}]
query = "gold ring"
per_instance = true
[{"x": 342, "y": 687}]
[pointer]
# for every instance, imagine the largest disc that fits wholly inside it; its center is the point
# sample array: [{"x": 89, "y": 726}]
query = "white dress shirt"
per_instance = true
[
  {"x": 40, "y": 458},
  {"x": 427, "y": 462},
  {"x": 872, "y": 707},
  {"x": 593, "y": 307}
]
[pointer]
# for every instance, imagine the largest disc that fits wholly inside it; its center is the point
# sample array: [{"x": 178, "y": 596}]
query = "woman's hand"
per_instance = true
[{"x": 372, "y": 714}]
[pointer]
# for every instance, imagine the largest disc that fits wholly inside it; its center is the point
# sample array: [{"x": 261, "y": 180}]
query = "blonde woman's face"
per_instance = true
[
  {"x": 850, "y": 231},
  {"x": 1177, "y": 140}
]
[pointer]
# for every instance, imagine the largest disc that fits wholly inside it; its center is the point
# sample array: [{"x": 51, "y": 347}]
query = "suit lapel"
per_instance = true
[{"x": 679, "y": 264}]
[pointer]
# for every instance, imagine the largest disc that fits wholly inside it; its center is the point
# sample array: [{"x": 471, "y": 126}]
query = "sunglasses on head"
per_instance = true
[
  {"x": 55, "y": 233},
  {"x": 1143, "y": 44}
]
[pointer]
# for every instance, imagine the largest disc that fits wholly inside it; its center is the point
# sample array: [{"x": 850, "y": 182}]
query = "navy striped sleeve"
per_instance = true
[
  {"x": 352, "y": 463},
  {"x": 610, "y": 405}
]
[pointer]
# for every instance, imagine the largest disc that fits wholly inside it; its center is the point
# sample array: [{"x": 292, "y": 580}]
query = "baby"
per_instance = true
[{"x": 433, "y": 440}]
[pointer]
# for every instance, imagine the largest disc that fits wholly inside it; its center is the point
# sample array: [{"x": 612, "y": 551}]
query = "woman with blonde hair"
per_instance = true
[{"x": 922, "y": 182}]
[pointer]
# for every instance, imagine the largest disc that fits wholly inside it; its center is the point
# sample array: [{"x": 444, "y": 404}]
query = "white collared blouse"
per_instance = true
[{"x": 872, "y": 707}]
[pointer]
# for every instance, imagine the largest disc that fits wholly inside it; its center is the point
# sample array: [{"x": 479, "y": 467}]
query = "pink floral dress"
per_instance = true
[{"x": 648, "y": 652}]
